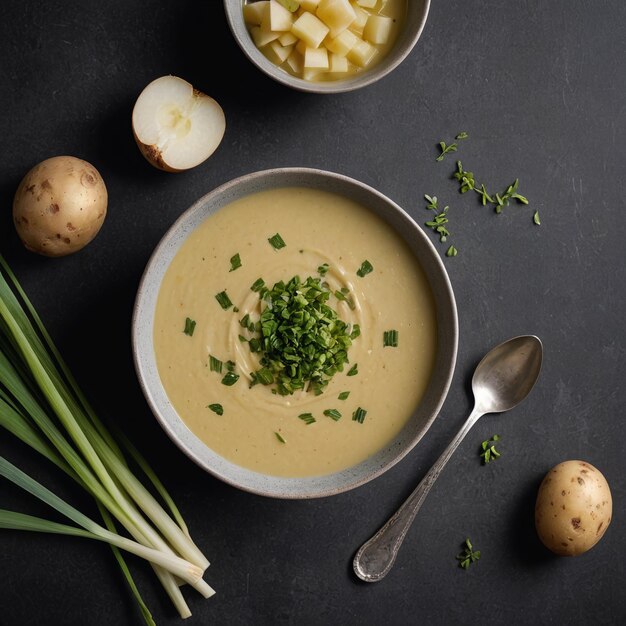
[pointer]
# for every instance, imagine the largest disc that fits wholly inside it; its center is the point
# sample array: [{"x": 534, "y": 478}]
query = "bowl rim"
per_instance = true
[
  {"x": 234, "y": 17},
  {"x": 145, "y": 363}
]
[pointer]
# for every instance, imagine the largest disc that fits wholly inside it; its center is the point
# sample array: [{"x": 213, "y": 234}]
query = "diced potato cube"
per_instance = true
[
  {"x": 262, "y": 37},
  {"x": 362, "y": 53},
  {"x": 368, "y": 4},
  {"x": 391, "y": 8},
  {"x": 309, "y": 5},
  {"x": 360, "y": 20},
  {"x": 378, "y": 29},
  {"x": 336, "y": 14},
  {"x": 281, "y": 52},
  {"x": 277, "y": 18},
  {"x": 316, "y": 58},
  {"x": 301, "y": 47},
  {"x": 253, "y": 12},
  {"x": 342, "y": 44},
  {"x": 309, "y": 73},
  {"x": 337, "y": 63},
  {"x": 310, "y": 29},
  {"x": 288, "y": 39},
  {"x": 295, "y": 61}
]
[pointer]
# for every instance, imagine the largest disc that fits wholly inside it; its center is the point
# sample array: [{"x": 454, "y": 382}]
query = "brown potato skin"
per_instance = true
[
  {"x": 573, "y": 508},
  {"x": 59, "y": 206}
]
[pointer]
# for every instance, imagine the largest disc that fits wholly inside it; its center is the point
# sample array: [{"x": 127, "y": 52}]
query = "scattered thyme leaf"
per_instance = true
[
  {"x": 451, "y": 251},
  {"x": 445, "y": 149},
  {"x": 488, "y": 450},
  {"x": 468, "y": 555},
  {"x": 536, "y": 218}
]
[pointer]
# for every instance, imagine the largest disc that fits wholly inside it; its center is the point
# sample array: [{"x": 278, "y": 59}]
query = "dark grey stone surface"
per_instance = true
[{"x": 541, "y": 88}]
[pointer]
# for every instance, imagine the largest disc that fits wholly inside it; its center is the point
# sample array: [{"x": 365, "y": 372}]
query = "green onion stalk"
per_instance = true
[{"x": 43, "y": 406}]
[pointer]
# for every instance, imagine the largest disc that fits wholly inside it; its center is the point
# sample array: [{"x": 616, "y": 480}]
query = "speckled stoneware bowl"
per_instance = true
[
  {"x": 425, "y": 413},
  {"x": 417, "y": 12}
]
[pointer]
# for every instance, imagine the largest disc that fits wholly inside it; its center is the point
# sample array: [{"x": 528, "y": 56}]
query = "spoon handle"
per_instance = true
[{"x": 376, "y": 557}]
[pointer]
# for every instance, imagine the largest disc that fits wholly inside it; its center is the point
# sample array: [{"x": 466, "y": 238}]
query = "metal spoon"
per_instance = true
[{"x": 501, "y": 381}]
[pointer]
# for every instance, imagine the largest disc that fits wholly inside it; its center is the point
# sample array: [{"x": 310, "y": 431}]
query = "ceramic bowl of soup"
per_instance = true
[
  {"x": 368, "y": 61},
  {"x": 295, "y": 333}
]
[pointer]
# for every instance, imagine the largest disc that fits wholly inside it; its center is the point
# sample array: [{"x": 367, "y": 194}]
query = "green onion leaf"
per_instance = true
[
  {"x": 277, "y": 242},
  {"x": 366, "y": 268},
  {"x": 216, "y": 408},
  {"x": 354, "y": 370},
  {"x": 190, "y": 326},
  {"x": 334, "y": 414},
  {"x": 258, "y": 284},
  {"x": 359, "y": 415},
  {"x": 235, "y": 262},
  {"x": 307, "y": 418},
  {"x": 344, "y": 395},
  {"x": 390, "y": 338},
  {"x": 215, "y": 365},
  {"x": 230, "y": 379},
  {"x": 224, "y": 300}
]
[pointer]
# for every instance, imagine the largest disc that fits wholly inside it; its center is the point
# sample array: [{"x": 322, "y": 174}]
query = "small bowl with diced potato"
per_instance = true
[{"x": 326, "y": 46}]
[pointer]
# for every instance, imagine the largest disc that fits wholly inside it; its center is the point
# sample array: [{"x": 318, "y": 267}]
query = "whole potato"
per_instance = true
[
  {"x": 573, "y": 508},
  {"x": 59, "y": 206}
]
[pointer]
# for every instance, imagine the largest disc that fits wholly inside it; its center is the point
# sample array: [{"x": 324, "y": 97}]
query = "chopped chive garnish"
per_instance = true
[
  {"x": 235, "y": 309},
  {"x": 258, "y": 284},
  {"x": 215, "y": 365},
  {"x": 366, "y": 268},
  {"x": 216, "y": 408},
  {"x": 356, "y": 331},
  {"x": 230, "y": 379},
  {"x": 190, "y": 326},
  {"x": 359, "y": 415},
  {"x": 390, "y": 339},
  {"x": 302, "y": 341},
  {"x": 242, "y": 339},
  {"x": 264, "y": 376},
  {"x": 230, "y": 366},
  {"x": 536, "y": 218},
  {"x": 224, "y": 300},
  {"x": 354, "y": 370},
  {"x": 307, "y": 418},
  {"x": 277, "y": 242},
  {"x": 244, "y": 321},
  {"x": 344, "y": 395},
  {"x": 323, "y": 269},
  {"x": 279, "y": 437},
  {"x": 235, "y": 262},
  {"x": 334, "y": 414}
]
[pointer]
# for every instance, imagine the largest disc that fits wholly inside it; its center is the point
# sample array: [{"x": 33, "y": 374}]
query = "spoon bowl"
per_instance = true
[
  {"x": 506, "y": 374},
  {"x": 503, "y": 378}
]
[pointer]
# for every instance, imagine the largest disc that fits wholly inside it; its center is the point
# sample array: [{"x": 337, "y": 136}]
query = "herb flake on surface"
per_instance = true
[
  {"x": 190, "y": 326},
  {"x": 468, "y": 555}
]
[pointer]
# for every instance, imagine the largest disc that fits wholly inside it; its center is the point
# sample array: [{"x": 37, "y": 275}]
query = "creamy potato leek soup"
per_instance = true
[{"x": 295, "y": 332}]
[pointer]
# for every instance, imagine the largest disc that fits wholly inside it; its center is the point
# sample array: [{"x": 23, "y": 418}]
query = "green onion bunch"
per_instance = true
[{"x": 41, "y": 404}]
